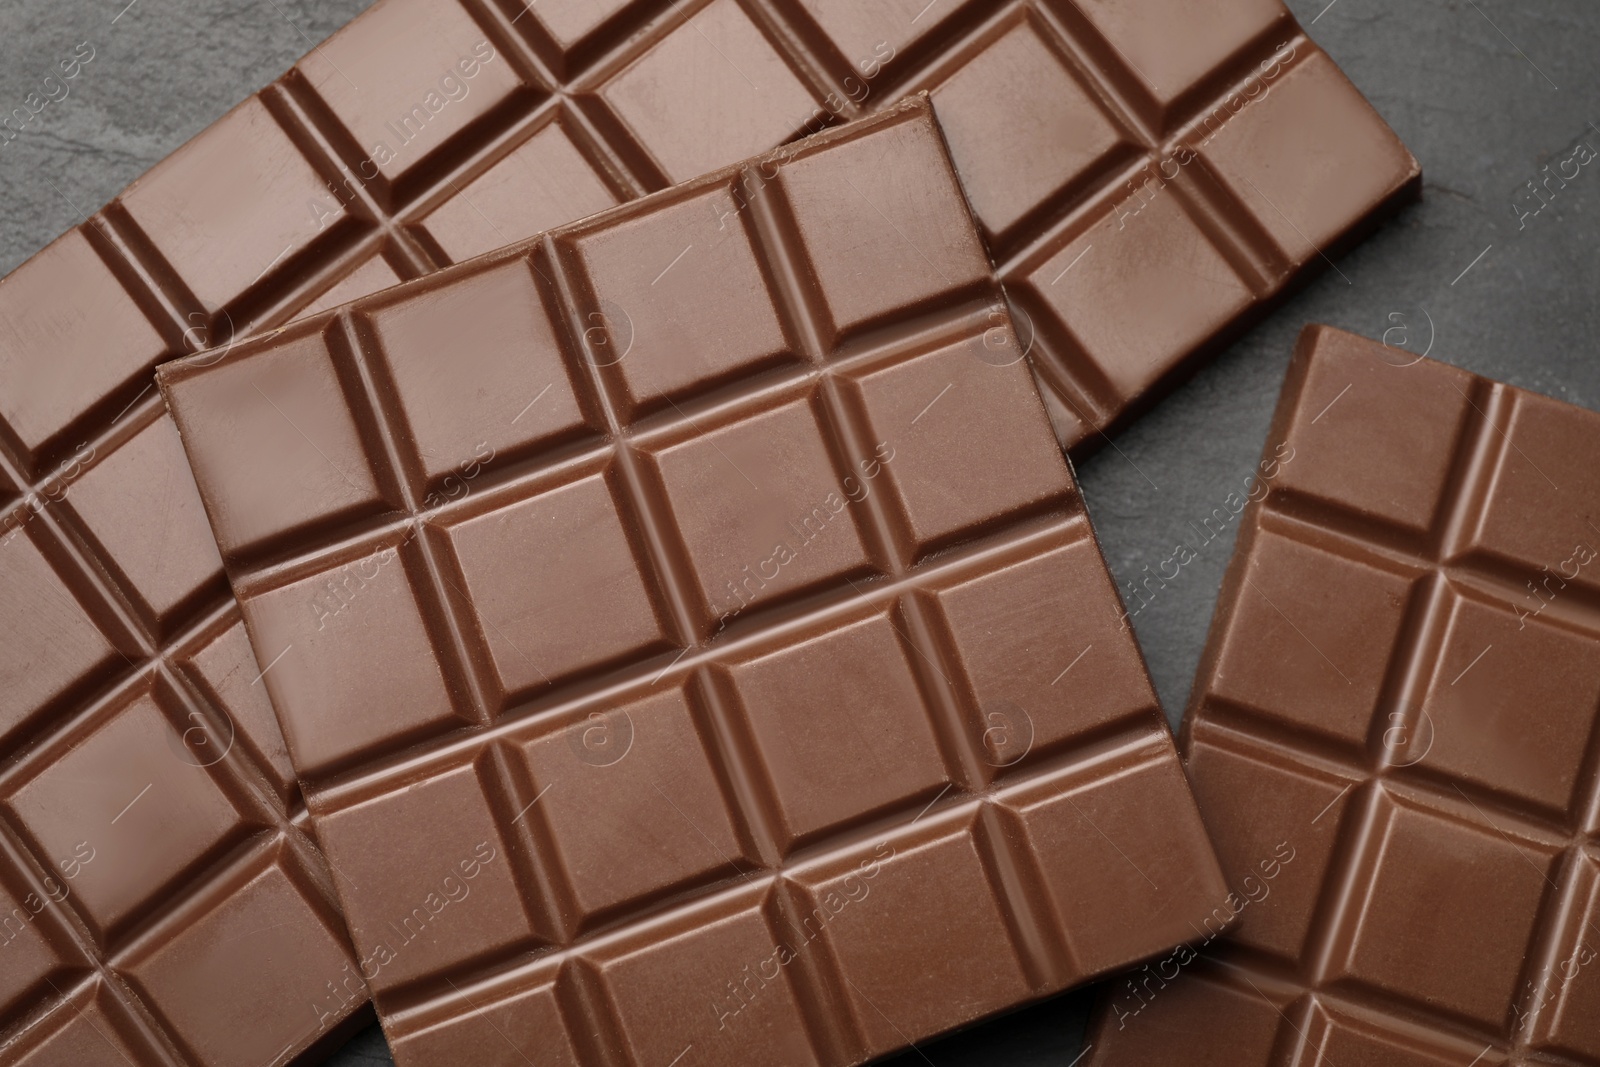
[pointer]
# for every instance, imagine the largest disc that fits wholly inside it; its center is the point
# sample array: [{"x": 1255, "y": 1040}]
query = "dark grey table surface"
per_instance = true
[{"x": 1485, "y": 92}]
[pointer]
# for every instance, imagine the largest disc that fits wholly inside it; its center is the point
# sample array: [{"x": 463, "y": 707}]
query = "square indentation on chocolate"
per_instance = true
[
  {"x": 233, "y": 204},
  {"x": 840, "y": 726},
  {"x": 1416, "y": 926},
  {"x": 1310, "y": 638},
  {"x": 1120, "y": 877},
  {"x": 126, "y": 805},
  {"x": 746, "y": 96},
  {"x": 437, "y": 887},
  {"x": 1549, "y": 466},
  {"x": 1513, "y": 703},
  {"x": 1041, "y": 643},
  {"x": 1275, "y": 856},
  {"x": 1138, "y": 290},
  {"x": 69, "y": 336},
  {"x": 543, "y": 183},
  {"x": 292, "y": 445},
  {"x": 1011, "y": 160},
  {"x": 173, "y": 555},
  {"x": 1170, "y": 46},
  {"x": 916, "y": 930},
  {"x": 558, "y": 583},
  {"x": 1374, "y": 433},
  {"x": 268, "y": 943},
  {"x": 49, "y": 643},
  {"x": 690, "y": 983},
  {"x": 893, "y": 201},
  {"x": 407, "y": 78},
  {"x": 526, "y": 1027},
  {"x": 683, "y": 302},
  {"x": 760, "y": 508},
  {"x": 945, "y": 435},
  {"x": 649, "y": 793},
  {"x": 352, "y": 660},
  {"x": 478, "y": 371},
  {"x": 1307, "y": 155}
]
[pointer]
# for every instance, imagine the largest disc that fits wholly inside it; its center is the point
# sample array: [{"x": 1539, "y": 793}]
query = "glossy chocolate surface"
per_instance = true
[
  {"x": 1147, "y": 177},
  {"x": 691, "y": 634},
  {"x": 160, "y": 901},
  {"x": 1393, "y": 737}
]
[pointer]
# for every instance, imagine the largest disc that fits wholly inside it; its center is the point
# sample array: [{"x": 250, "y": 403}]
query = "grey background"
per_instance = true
[{"x": 1485, "y": 93}]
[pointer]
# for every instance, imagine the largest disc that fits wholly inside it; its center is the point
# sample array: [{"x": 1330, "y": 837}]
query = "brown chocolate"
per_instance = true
[
  {"x": 1149, "y": 179},
  {"x": 1393, "y": 737},
  {"x": 159, "y": 896},
  {"x": 691, "y": 635},
  {"x": 497, "y": 122}
]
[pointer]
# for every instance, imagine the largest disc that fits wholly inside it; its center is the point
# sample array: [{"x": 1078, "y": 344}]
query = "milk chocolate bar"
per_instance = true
[
  {"x": 1148, "y": 178},
  {"x": 1393, "y": 737},
  {"x": 160, "y": 899},
  {"x": 691, "y": 635}
]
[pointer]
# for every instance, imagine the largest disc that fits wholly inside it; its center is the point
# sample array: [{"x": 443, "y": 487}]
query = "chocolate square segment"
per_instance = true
[
  {"x": 69, "y": 335},
  {"x": 1015, "y": 159},
  {"x": 478, "y": 371},
  {"x": 269, "y": 917},
  {"x": 711, "y": 657},
  {"x": 834, "y": 749},
  {"x": 166, "y": 561},
  {"x": 1395, "y": 736},
  {"x": 1311, "y": 124},
  {"x": 544, "y": 182},
  {"x": 747, "y": 96},
  {"x": 909, "y": 245},
  {"x": 356, "y": 644},
  {"x": 525, "y": 1027},
  {"x": 691, "y": 987},
  {"x": 233, "y": 204},
  {"x": 451, "y": 893},
  {"x": 760, "y": 508},
  {"x": 1171, "y": 45},
  {"x": 919, "y": 932},
  {"x": 1428, "y": 870},
  {"x": 122, "y": 799},
  {"x": 289, "y": 405},
  {"x": 408, "y": 79},
  {"x": 665, "y": 809},
  {"x": 541, "y": 560},
  {"x": 49, "y": 643},
  {"x": 686, "y": 304}
]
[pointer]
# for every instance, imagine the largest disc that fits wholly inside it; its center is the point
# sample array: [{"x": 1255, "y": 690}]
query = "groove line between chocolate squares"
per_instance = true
[
  {"x": 570, "y": 304},
  {"x": 1467, "y": 494}
]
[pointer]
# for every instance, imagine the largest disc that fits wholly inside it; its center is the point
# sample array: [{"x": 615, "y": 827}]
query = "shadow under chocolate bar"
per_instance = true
[
  {"x": 1393, "y": 737},
  {"x": 690, "y": 633}
]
